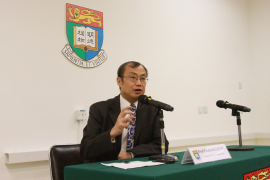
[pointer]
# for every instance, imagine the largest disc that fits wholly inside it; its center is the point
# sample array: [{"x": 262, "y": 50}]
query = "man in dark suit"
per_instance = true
[{"x": 122, "y": 127}]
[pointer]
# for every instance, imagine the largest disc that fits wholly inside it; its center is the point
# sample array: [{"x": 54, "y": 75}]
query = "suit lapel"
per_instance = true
[
  {"x": 140, "y": 114},
  {"x": 114, "y": 113},
  {"x": 115, "y": 109}
]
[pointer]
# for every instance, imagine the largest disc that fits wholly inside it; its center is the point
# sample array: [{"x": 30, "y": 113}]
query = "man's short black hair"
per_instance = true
[{"x": 132, "y": 64}]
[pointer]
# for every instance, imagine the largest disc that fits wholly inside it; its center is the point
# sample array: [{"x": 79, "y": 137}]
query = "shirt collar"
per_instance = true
[{"x": 125, "y": 103}]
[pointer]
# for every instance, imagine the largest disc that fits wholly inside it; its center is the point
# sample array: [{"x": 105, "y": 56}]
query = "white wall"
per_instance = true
[
  {"x": 196, "y": 52},
  {"x": 260, "y": 43}
]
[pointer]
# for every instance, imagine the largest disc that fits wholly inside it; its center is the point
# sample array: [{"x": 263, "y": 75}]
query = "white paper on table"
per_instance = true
[{"x": 133, "y": 164}]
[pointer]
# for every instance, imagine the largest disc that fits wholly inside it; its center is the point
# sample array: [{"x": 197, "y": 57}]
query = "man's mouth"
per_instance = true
[{"x": 138, "y": 90}]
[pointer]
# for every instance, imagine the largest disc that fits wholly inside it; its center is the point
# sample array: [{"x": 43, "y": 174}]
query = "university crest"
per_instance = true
[
  {"x": 196, "y": 154},
  {"x": 84, "y": 29},
  {"x": 261, "y": 174}
]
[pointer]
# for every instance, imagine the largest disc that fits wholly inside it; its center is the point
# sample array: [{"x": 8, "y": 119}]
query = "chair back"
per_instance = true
[{"x": 61, "y": 156}]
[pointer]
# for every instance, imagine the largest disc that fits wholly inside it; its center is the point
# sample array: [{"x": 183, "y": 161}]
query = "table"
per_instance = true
[{"x": 242, "y": 162}]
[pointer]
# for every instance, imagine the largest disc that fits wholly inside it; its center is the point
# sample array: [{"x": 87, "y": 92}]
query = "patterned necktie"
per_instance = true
[{"x": 131, "y": 129}]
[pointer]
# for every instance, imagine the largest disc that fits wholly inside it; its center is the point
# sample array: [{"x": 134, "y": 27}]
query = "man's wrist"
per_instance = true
[
  {"x": 112, "y": 136},
  {"x": 132, "y": 155}
]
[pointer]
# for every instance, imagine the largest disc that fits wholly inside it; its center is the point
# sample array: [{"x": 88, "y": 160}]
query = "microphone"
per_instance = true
[
  {"x": 148, "y": 100},
  {"x": 226, "y": 105}
]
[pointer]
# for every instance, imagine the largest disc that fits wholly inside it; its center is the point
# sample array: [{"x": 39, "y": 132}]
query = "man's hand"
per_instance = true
[
  {"x": 121, "y": 122},
  {"x": 124, "y": 155}
]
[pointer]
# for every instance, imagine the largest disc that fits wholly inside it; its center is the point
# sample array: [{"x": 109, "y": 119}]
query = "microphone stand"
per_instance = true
[
  {"x": 162, "y": 157},
  {"x": 238, "y": 121}
]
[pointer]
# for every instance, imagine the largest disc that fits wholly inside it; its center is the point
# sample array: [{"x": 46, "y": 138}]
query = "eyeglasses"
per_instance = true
[{"x": 135, "y": 79}]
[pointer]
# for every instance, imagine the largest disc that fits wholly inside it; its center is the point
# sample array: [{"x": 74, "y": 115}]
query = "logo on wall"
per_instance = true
[
  {"x": 196, "y": 154},
  {"x": 85, "y": 36},
  {"x": 258, "y": 175}
]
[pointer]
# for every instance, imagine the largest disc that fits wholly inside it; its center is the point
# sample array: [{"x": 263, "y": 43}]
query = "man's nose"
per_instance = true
[{"x": 138, "y": 82}]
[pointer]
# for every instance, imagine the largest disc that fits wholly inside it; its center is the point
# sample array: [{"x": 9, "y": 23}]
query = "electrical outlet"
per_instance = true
[
  {"x": 81, "y": 115},
  {"x": 200, "y": 109},
  {"x": 205, "y": 110},
  {"x": 239, "y": 85}
]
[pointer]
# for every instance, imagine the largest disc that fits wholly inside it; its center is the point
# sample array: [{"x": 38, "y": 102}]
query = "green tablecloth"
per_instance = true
[{"x": 242, "y": 162}]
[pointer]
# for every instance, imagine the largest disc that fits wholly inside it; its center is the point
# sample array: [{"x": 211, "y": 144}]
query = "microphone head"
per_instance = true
[
  {"x": 246, "y": 109},
  {"x": 169, "y": 108},
  {"x": 143, "y": 99},
  {"x": 220, "y": 104}
]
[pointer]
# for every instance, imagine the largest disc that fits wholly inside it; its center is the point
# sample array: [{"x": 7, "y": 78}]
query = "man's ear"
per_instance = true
[{"x": 119, "y": 81}]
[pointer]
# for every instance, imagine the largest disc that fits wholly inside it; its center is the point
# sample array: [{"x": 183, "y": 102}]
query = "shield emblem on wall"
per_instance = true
[{"x": 84, "y": 30}]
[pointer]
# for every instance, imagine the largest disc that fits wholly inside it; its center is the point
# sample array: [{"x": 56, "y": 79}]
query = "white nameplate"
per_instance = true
[{"x": 204, "y": 154}]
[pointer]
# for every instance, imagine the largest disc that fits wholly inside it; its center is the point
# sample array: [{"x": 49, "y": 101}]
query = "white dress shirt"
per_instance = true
[{"x": 124, "y": 103}]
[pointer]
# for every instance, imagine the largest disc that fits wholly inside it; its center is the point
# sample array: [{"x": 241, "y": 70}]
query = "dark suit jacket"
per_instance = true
[{"x": 96, "y": 144}]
